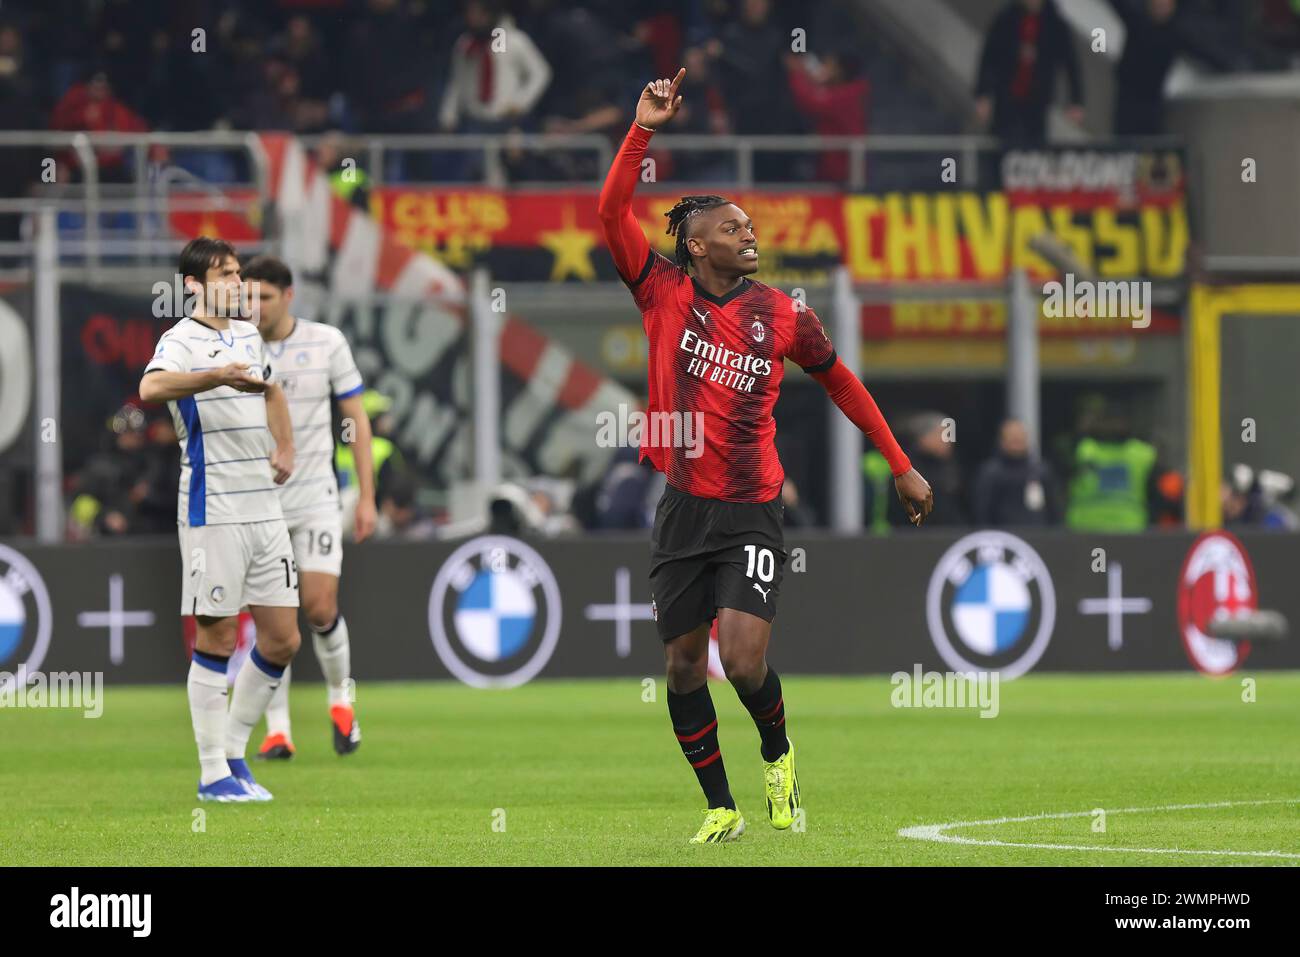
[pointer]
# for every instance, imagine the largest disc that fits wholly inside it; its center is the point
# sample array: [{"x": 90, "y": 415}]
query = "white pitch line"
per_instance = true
[{"x": 935, "y": 832}]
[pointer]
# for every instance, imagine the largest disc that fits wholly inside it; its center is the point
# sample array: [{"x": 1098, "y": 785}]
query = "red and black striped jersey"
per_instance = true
[{"x": 716, "y": 365}]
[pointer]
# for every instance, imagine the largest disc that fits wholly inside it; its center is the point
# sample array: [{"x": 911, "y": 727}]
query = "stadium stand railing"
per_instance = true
[{"x": 120, "y": 222}]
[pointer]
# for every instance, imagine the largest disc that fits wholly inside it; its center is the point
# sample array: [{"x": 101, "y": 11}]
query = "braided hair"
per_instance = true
[{"x": 687, "y": 207}]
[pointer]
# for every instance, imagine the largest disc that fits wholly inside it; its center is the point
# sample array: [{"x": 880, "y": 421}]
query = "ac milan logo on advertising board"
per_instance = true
[{"x": 1217, "y": 582}]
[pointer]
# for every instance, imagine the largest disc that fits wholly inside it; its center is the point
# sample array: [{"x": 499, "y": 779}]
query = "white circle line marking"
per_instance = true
[{"x": 936, "y": 832}]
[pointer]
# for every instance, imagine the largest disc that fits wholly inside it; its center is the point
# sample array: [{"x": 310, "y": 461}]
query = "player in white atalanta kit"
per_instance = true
[
  {"x": 236, "y": 440},
  {"x": 314, "y": 365}
]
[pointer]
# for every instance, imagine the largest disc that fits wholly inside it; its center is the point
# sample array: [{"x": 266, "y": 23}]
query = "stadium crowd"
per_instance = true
[
  {"x": 399, "y": 66},
  {"x": 418, "y": 66},
  {"x": 395, "y": 66}
]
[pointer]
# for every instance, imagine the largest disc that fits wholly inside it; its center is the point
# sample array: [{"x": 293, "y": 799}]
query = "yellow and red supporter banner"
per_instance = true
[
  {"x": 894, "y": 237},
  {"x": 1123, "y": 214},
  {"x": 555, "y": 235},
  {"x": 963, "y": 237}
]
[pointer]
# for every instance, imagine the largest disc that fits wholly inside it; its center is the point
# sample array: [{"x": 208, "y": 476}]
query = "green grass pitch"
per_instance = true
[{"x": 587, "y": 773}]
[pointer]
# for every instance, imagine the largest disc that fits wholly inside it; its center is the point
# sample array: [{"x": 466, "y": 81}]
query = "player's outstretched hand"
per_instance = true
[
  {"x": 916, "y": 495},
  {"x": 236, "y": 376},
  {"x": 282, "y": 464},
  {"x": 659, "y": 101}
]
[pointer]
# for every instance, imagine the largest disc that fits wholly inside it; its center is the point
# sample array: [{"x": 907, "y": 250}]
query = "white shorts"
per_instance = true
[
  {"x": 225, "y": 567},
  {"x": 318, "y": 541}
]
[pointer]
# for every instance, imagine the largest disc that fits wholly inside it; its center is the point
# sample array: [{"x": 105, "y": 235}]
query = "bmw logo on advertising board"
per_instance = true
[
  {"x": 25, "y": 616},
  {"x": 1217, "y": 581},
  {"x": 990, "y": 605},
  {"x": 494, "y": 612}
]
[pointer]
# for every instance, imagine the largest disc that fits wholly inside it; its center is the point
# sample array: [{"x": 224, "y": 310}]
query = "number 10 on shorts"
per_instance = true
[{"x": 761, "y": 560}]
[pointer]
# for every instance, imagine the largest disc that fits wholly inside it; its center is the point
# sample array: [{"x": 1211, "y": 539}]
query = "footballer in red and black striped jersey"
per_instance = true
[{"x": 718, "y": 344}]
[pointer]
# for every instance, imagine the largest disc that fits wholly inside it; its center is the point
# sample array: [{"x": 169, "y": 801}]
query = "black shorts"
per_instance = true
[{"x": 709, "y": 554}]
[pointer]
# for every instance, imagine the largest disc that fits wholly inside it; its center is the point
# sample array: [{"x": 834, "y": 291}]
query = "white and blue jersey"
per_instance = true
[
  {"x": 226, "y": 475},
  {"x": 314, "y": 365}
]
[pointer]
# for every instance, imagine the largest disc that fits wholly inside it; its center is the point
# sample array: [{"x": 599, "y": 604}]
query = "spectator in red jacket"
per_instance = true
[
  {"x": 833, "y": 96},
  {"x": 92, "y": 107}
]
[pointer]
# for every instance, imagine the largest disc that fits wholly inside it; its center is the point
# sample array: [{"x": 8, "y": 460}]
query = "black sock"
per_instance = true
[
  {"x": 696, "y": 725},
  {"x": 767, "y": 708}
]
